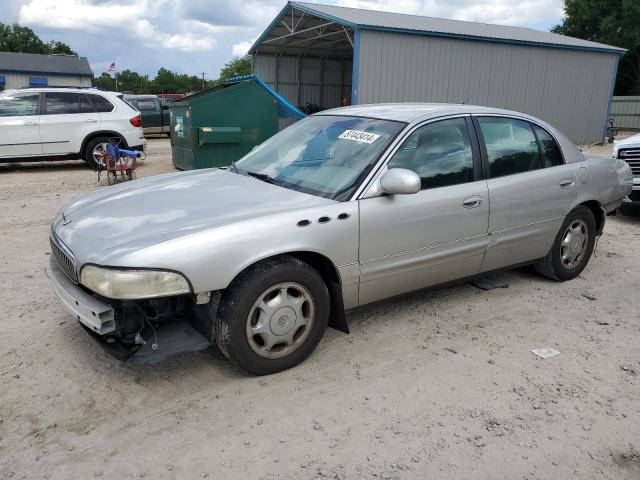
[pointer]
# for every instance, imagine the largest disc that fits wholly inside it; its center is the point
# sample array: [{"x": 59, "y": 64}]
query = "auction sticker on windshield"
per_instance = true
[{"x": 358, "y": 136}]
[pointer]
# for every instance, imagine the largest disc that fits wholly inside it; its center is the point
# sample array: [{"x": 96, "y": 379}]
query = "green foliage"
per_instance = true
[
  {"x": 236, "y": 67},
  {"x": 614, "y": 22},
  {"x": 15, "y": 38}
]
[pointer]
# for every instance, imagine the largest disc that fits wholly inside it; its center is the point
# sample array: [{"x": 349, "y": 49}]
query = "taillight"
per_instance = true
[{"x": 136, "y": 121}]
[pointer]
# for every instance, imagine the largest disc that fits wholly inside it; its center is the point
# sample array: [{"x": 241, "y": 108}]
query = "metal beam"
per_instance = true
[{"x": 297, "y": 32}]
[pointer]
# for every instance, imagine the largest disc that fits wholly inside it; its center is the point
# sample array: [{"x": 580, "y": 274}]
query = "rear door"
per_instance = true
[
  {"x": 20, "y": 125},
  {"x": 531, "y": 189},
  {"x": 67, "y": 119},
  {"x": 408, "y": 242}
]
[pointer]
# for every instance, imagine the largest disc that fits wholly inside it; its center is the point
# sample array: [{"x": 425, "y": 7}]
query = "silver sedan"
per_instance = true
[{"x": 346, "y": 207}]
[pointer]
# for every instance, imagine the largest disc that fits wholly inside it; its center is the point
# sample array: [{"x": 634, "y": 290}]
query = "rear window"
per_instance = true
[
  {"x": 146, "y": 105},
  {"x": 100, "y": 103}
]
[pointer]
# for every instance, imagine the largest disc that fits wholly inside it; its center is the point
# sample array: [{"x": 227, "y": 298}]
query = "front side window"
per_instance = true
[
  {"x": 19, "y": 105},
  {"x": 440, "y": 153},
  {"x": 511, "y": 146},
  {"x": 549, "y": 149},
  {"x": 100, "y": 103},
  {"x": 322, "y": 155},
  {"x": 66, "y": 103}
]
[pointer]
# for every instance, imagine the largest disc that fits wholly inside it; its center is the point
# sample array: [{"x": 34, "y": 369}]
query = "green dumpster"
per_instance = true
[{"x": 216, "y": 127}]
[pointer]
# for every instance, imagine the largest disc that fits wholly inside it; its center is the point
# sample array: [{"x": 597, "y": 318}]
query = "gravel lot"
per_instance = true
[{"x": 436, "y": 384}]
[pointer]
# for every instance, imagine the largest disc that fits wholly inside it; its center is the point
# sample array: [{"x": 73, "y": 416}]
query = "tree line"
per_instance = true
[{"x": 167, "y": 81}]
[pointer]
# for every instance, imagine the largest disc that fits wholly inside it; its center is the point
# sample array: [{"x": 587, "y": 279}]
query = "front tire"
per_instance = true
[
  {"x": 273, "y": 315},
  {"x": 572, "y": 247},
  {"x": 95, "y": 147}
]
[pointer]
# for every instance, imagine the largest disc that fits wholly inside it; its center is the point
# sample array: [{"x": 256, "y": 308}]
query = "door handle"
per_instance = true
[
  {"x": 566, "y": 182},
  {"x": 472, "y": 202},
  {"x": 30, "y": 123},
  {"x": 91, "y": 120}
]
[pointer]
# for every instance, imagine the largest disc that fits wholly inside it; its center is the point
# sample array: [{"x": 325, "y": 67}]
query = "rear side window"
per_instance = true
[
  {"x": 100, "y": 103},
  {"x": 19, "y": 105},
  {"x": 511, "y": 146},
  {"x": 146, "y": 105},
  {"x": 65, "y": 103},
  {"x": 549, "y": 149}
]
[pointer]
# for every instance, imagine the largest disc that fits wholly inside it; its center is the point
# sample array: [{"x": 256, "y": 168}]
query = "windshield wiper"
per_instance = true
[{"x": 264, "y": 177}]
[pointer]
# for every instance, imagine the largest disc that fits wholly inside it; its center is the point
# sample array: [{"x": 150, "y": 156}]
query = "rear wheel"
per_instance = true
[
  {"x": 572, "y": 247},
  {"x": 95, "y": 147},
  {"x": 273, "y": 315}
]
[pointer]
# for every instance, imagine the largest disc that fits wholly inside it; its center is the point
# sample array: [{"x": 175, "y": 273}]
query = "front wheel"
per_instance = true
[
  {"x": 572, "y": 247},
  {"x": 273, "y": 315}
]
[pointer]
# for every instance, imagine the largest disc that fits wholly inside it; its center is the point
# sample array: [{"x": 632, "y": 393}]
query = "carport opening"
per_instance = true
[{"x": 307, "y": 59}]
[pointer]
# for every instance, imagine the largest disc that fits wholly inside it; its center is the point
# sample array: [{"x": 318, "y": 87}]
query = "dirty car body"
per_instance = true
[{"x": 344, "y": 208}]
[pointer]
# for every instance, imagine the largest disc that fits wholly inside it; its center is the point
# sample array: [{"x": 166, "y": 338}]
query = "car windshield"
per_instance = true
[{"x": 322, "y": 155}]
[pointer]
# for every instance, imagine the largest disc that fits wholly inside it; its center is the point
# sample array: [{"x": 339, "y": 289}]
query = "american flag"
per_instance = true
[{"x": 111, "y": 68}]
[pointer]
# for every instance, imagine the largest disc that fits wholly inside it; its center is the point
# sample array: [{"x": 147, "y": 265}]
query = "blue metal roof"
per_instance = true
[{"x": 362, "y": 19}]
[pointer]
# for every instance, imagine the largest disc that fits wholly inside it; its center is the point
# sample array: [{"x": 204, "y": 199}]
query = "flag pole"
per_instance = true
[{"x": 115, "y": 74}]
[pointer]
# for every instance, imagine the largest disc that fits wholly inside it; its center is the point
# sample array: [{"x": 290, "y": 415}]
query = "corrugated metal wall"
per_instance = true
[
  {"x": 324, "y": 90},
  {"x": 568, "y": 88},
  {"x": 16, "y": 80},
  {"x": 625, "y": 111}
]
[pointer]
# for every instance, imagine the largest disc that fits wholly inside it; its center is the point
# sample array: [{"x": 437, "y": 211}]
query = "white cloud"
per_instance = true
[
  {"x": 185, "y": 42},
  {"x": 240, "y": 49},
  {"x": 117, "y": 16}
]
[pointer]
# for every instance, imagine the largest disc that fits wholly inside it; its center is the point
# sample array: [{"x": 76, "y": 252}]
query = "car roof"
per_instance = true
[
  {"x": 142, "y": 96},
  {"x": 60, "y": 89},
  {"x": 412, "y": 112}
]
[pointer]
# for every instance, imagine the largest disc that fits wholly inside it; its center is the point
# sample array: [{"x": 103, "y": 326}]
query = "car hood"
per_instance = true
[
  {"x": 633, "y": 141},
  {"x": 118, "y": 220}
]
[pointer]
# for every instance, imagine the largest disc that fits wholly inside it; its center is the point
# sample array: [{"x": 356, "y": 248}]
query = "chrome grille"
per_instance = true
[
  {"x": 632, "y": 157},
  {"x": 67, "y": 263}
]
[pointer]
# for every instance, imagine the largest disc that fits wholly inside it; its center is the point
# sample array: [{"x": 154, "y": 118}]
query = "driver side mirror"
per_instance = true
[{"x": 400, "y": 181}]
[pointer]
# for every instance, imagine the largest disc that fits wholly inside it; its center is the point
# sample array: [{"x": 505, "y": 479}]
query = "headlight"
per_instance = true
[{"x": 133, "y": 284}]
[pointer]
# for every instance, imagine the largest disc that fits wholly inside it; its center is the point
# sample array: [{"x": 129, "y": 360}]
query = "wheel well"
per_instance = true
[
  {"x": 331, "y": 276},
  {"x": 102, "y": 133},
  {"x": 598, "y": 214}
]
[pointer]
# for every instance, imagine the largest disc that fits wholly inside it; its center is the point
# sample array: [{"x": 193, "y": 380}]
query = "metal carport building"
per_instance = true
[{"x": 320, "y": 54}]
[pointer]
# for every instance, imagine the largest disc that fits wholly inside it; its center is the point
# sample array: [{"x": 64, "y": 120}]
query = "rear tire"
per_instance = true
[
  {"x": 272, "y": 316},
  {"x": 572, "y": 247},
  {"x": 97, "y": 144}
]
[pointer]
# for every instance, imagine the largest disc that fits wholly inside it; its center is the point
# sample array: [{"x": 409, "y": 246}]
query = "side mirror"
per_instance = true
[{"x": 400, "y": 181}]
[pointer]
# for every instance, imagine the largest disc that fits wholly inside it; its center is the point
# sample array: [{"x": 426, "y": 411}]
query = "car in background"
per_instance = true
[
  {"x": 155, "y": 116},
  {"x": 57, "y": 123},
  {"x": 166, "y": 98},
  {"x": 343, "y": 208},
  {"x": 628, "y": 150}
]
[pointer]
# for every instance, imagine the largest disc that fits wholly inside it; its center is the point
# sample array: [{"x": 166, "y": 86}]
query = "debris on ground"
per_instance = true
[{"x": 545, "y": 352}]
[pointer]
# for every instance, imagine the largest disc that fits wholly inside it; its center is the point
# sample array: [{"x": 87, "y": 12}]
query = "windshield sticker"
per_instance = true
[{"x": 358, "y": 136}]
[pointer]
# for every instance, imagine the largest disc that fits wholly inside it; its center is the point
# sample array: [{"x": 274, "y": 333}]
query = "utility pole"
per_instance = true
[{"x": 203, "y": 74}]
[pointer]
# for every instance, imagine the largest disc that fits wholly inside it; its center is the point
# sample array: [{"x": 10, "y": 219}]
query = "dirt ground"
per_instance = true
[{"x": 436, "y": 384}]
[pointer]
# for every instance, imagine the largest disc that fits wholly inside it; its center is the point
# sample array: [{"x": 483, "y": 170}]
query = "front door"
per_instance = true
[
  {"x": 19, "y": 125},
  {"x": 408, "y": 242},
  {"x": 530, "y": 187}
]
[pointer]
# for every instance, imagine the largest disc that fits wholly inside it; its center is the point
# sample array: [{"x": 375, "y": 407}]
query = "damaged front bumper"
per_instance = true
[{"x": 127, "y": 331}]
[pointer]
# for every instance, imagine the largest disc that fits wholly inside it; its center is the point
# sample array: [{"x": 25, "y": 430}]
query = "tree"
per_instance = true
[
  {"x": 105, "y": 82},
  {"x": 16, "y": 38},
  {"x": 236, "y": 67},
  {"x": 614, "y": 22}
]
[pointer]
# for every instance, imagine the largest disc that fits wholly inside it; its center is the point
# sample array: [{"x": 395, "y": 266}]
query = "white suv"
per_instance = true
[{"x": 65, "y": 123}]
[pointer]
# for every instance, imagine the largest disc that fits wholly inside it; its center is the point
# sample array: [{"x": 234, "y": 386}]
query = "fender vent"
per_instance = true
[
  {"x": 324, "y": 219},
  {"x": 304, "y": 223},
  {"x": 343, "y": 216}
]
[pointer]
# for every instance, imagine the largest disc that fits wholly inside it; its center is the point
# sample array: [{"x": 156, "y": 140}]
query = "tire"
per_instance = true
[
  {"x": 259, "y": 300},
  {"x": 91, "y": 146},
  {"x": 556, "y": 265}
]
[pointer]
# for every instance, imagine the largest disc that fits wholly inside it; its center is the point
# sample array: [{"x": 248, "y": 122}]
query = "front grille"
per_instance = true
[
  {"x": 67, "y": 263},
  {"x": 632, "y": 157}
]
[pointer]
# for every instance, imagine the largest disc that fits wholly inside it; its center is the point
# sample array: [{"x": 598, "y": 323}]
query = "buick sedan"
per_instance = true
[{"x": 346, "y": 207}]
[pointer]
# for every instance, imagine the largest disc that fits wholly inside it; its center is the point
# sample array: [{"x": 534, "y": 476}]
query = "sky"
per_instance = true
[{"x": 195, "y": 36}]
